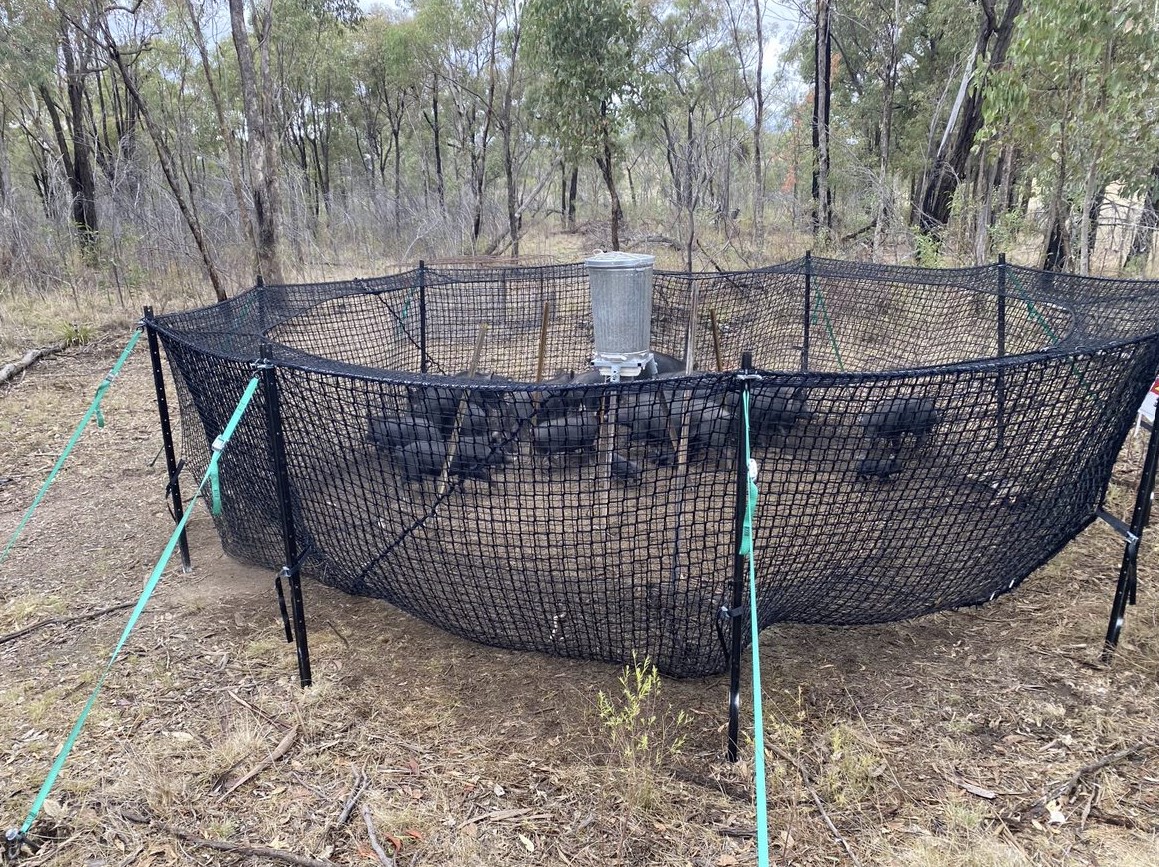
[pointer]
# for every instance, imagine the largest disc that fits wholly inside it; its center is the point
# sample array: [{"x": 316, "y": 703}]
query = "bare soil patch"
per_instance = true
[{"x": 472, "y": 755}]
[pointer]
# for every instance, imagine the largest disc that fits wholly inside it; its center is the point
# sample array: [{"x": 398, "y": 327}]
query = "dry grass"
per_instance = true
[{"x": 476, "y": 756}]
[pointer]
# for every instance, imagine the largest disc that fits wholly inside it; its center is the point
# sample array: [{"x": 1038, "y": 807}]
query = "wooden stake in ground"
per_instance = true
[
  {"x": 544, "y": 318},
  {"x": 543, "y": 321},
  {"x": 453, "y": 445},
  {"x": 682, "y": 449},
  {"x": 716, "y": 341}
]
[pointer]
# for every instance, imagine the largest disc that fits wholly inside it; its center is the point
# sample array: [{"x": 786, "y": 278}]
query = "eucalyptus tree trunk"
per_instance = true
[
  {"x": 261, "y": 150},
  {"x": 1148, "y": 221},
  {"x": 758, "y": 127},
  {"x": 949, "y": 165},
  {"x": 822, "y": 88},
  {"x": 436, "y": 135},
  {"x": 507, "y": 119},
  {"x": 231, "y": 156},
  {"x": 883, "y": 180},
  {"x": 607, "y": 168},
  {"x": 167, "y": 161},
  {"x": 78, "y": 164}
]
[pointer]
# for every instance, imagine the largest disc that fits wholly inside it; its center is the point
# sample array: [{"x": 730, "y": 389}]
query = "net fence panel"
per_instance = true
[{"x": 904, "y": 466}]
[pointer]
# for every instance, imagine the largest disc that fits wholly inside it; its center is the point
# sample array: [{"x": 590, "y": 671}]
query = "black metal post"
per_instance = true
[
  {"x": 738, "y": 571},
  {"x": 1000, "y": 390},
  {"x": 292, "y": 570},
  {"x": 422, "y": 316},
  {"x": 173, "y": 488},
  {"x": 1128, "y": 571},
  {"x": 807, "y": 321}
]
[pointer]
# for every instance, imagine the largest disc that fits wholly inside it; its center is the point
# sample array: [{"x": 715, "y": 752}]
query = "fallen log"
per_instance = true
[{"x": 14, "y": 368}]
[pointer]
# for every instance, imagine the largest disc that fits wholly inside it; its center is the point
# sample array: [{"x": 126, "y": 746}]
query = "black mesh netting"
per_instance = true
[{"x": 925, "y": 440}]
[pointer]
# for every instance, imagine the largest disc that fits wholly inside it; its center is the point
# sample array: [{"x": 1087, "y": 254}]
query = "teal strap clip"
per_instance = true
[
  {"x": 746, "y": 550},
  {"x": 214, "y": 475},
  {"x": 150, "y": 586},
  {"x": 94, "y": 410}
]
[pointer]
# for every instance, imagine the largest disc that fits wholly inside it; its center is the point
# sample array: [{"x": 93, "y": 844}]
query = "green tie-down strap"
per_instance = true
[
  {"x": 150, "y": 585},
  {"x": 94, "y": 410},
  {"x": 746, "y": 550}
]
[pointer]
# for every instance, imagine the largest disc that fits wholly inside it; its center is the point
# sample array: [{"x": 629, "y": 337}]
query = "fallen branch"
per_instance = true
[
  {"x": 280, "y": 750},
  {"x": 1121, "y": 821},
  {"x": 781, "y": 754},
  {"x": 857, "y": 233},
  {"x": 1066, "y": 789},
  {"x": 63, "y": 621},
  {"x": 361, "y": 783},
  {"x": 236, "y": 848},
  {"x": 12, "y": 369},
  {"x": 383, "y": 859}
]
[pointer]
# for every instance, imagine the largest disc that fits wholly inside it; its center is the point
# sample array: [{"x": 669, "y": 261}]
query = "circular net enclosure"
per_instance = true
[{"x": 925, "y": 440}]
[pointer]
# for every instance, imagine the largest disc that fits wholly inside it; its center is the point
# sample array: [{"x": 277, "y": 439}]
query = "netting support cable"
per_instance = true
[
  {"x": 1129, "y": 569},
  {"x": 291, "y": 572},
  {"x": 94, "y": 411},
  {"x": 173, "y": 489},
  {"x": 1000, "y": 386},
  {"x": 806, "y": 320},
  {"x": 15, "y": 839}
]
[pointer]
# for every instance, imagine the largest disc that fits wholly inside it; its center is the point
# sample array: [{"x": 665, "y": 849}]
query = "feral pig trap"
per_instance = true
[{"x": 924, "y": 439}]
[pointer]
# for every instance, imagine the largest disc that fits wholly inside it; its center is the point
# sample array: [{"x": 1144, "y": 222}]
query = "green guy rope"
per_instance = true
[
  {"x": 400, "y": 324},
  {"x": 218, "y": 446},
  {"x": 1036, "y": 315},
  {"x": 828, "y": 327},
  {"x": 93, "y": 410},
  {"x": 1032, "y": 310},
  {"x": 746, "y": 550}
]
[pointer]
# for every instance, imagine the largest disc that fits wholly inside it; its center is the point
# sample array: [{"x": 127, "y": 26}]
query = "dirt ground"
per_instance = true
[{"x": 941, "y": 741}]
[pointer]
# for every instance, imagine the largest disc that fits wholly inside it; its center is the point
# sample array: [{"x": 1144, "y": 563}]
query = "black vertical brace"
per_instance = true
[
  {"x": 422, "y": 316},
  {"x": 807, "y": 321},
  {"x": 738, "y": 570},
  {"x": 292, "y": 570},
  {"x": 173, "y": 488},
  {"x": 1000, "y": 388},
  {"x": 1128, "y": 571}
]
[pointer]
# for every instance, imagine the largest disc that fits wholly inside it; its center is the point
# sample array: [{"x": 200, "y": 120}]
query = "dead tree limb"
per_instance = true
[
  {"x": 63, "y": 621},
  {"x": 1066, "y": 789},
  {"x": 784, "y": 756},
  {"x": 224, "y": 846},
  {"x": 14, "y": 368}
]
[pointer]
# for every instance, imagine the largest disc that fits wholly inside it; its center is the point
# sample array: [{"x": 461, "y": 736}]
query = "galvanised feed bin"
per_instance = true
[{"x": 621, "y": 290}]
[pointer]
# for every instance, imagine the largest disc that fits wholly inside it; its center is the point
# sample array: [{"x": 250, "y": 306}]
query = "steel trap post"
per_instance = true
[
  {"x": 291, "y": 572},
  {"x": 1000, "y": 387},
  {"x": 733, "y": 613},
  {"x": 1129, "y": 569},
  {"x": 173, "y": 487},
  {"x": 808, "y": 312}
]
